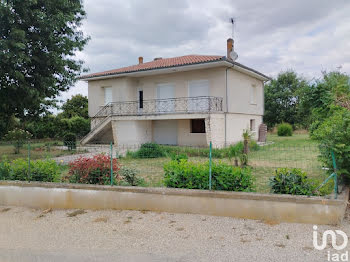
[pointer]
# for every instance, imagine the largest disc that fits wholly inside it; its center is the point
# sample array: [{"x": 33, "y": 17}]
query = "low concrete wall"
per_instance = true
[{"x": 279, "y": 208}]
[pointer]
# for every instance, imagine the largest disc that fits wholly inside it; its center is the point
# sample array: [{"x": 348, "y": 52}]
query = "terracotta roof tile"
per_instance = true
[{"x": 160, "y": 63}]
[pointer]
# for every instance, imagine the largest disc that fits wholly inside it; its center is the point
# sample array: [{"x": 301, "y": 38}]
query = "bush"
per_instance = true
[
  {"x": 253, "y": 145},
  {"x": 234, "y": 152},
  {"x": 5, "y": 169},
  {"x": 70, "y": 141},
  {"x": 284, "y": 129},
  {"x": 18, "y": 137},
  {"x": 190, "y": 175},
  {"x": 40, "y": 170},
  {"x": 149, "y": 150},
  {"x": 76, "y": 125},
  {"x": 130, "y": 177},
  {"x": 178, "y": 157},
  {"x": 93, "y": 170},
  {"x": 291, "y": 181},
  {"x": 334, "y": 135}
]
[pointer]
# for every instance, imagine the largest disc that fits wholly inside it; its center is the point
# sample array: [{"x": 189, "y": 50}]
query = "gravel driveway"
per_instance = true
[{"x": 110, "y": 235}]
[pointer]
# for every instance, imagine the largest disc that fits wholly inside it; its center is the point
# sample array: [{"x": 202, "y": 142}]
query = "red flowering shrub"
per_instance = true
[{"x": 93, "y": 170}]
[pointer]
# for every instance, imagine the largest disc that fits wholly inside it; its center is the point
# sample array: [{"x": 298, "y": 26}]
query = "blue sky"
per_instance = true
[{"x": 270, "y": 36}]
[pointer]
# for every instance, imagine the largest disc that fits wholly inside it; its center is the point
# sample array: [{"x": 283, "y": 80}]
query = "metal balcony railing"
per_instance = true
[{"x": 182, "y": 105}]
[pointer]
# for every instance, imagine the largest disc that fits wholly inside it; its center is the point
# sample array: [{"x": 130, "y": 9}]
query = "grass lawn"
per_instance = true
[
  {"x": 298, "y": 151},
  {"x": 38, "y": 150}
]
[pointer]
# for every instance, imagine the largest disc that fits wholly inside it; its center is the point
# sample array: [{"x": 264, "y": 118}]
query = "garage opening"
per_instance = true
[{"x": 197, "y": 126}]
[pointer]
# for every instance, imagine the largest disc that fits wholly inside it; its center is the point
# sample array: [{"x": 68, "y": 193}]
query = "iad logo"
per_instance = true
[{"x": 332, "y": 234}]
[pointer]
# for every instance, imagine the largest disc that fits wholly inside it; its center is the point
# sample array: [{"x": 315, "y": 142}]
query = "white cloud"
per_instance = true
[{"x": 270, "y": 36}]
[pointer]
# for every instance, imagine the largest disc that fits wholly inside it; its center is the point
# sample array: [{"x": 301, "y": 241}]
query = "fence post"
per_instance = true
[
  {"x": 335, "y": 177},
  {"x": 210, "y": 148},
  {"x": 111, "y": 153},
  {"x": 28, "y": 161}
]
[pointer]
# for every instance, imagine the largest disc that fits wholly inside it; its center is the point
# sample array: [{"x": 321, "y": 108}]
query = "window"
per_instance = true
[
  {"x": 252, "y": 124},
  {"x": 140, "y": 99},
  {"x": 253, "y": 94},
  {"x": 108, "y": 95},
  {"x": 197, "y": 126}
]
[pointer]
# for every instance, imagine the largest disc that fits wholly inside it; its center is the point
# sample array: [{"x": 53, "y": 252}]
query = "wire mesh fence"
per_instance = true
[{"x": 148, "y": 159}]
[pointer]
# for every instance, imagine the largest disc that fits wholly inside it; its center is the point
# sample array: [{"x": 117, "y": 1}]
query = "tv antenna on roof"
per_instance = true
[{"x": 233, "y": 21}]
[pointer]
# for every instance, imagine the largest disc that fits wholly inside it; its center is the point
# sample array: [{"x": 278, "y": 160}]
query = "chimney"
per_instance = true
[
  {"x": 157, "y": 58},
  {"x": 140, "y": 60},
  {"x": 229, "y": 48}
]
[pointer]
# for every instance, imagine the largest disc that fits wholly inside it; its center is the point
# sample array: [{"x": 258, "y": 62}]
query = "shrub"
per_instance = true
[
  {"x": 40, "y": 170},
  {"x": 130, "y": 177},
  {"x": 18, "y": 137},
  {"x": 291, "y": 181},
  {"x": 150, "y": 150},
  {"x": 253, "y": 145},
  {"x": 234, "y": 152},
  {"x": 178, "y": 157},
  {"x": 334, "y": 135},
  {"x": 284, "y": 129},
  {"x": 93, "y": 170},
  {"x": 185, "y": 174},
  {"x": 76, "y": 125},
  {"x": 70, "y": 141},
  {"x": 5, "y": 169}
]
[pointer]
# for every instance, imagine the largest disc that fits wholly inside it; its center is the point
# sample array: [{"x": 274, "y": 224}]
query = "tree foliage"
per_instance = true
[
  {"x": 331, "y": 120},
  {"x": 76, "y": 106},
  {"x": 38, "y": 40},
  {"x": 282, "y": 98}
]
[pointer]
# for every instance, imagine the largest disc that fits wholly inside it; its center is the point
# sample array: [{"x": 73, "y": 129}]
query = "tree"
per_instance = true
[
  {"x": 331, "y": 120},
  {"x": 76, "y": 106},
  {"x": 282, "y": 97},
  {"x": 319, "y": 99},
  {"x": 38, "y": 40}
]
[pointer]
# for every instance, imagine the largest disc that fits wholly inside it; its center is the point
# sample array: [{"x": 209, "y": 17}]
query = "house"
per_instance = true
[{"x": 188, "y": 100}]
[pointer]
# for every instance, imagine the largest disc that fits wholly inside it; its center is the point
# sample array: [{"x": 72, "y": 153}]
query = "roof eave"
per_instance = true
[
  {"x": 171, "y": 69},
  {"x": 160, "y": 70},
  {"x": 247, "y": 70}
]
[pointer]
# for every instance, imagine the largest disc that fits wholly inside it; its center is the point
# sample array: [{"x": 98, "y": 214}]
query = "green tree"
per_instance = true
[
  {"x": 38, "y": 41},
  {"x": 76, "y": 106},
  {"x": 320, "y": 98},
  {"x": 282, "y": 96}
]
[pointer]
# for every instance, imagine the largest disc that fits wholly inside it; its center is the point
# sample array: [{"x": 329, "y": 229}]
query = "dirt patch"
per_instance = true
[
  {"x": 270, "y": 222},
  {"x": 76, "y": 212},
  {"x": 280, "y": 245},
  {"x": 101, "y": 219}
]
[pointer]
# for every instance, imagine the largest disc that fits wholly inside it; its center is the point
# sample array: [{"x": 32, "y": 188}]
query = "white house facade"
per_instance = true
[{"x": 190, "y": 100}]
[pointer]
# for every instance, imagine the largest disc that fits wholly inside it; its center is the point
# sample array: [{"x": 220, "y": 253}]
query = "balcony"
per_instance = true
[{"x": 183, "y": 105}]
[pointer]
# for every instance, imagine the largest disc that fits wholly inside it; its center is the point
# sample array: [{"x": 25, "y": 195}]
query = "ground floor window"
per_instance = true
[
  {"x": 252, "y": 124},
  {"x": 197, "y": 126}
]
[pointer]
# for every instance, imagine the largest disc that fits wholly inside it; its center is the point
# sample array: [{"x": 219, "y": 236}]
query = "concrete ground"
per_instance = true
[{"x": 110, "y": 235}]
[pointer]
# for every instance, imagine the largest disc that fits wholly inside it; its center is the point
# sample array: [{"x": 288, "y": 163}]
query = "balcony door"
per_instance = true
[
  {"x": 198, "y": 91},
  {"x": 164, "y": 92}
]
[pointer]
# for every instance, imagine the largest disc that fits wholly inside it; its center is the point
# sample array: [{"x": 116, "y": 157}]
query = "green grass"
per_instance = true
[
  {"x": 38, "y": 150},
  {"x": 297, "y": 151}
]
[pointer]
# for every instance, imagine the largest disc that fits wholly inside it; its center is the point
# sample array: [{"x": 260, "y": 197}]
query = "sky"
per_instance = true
[{"x": 308, "y": 36}]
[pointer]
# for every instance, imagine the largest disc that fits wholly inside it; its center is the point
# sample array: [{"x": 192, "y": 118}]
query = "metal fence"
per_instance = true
[{"x": 263, "y": 159}]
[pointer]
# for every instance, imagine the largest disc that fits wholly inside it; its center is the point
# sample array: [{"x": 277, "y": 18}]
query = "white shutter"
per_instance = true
[
  {"x": 165, "y": 91},
  {"x": 108, "y": 95},
  {"x": 197, "y": 89}
]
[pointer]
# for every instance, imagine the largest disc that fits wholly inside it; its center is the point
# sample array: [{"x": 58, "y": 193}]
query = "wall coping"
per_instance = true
[{"x": 342, "y": 198}]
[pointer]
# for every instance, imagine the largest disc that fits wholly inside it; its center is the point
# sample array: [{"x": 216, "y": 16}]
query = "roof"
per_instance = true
[{"x": 167, "y": 63}]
